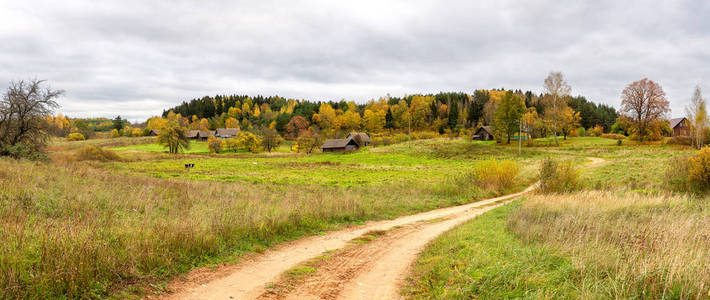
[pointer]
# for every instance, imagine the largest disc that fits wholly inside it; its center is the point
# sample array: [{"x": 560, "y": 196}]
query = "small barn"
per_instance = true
[
  {"x": 338, "y": 145},
  {"x": 679, "y": 127},
  {"x": 192, "y": 134},
  {"x": 154, "y": 132},
  {"x": 360, "y": 137},
  {"x": 226, "y": 133},
  {"x": 485, "y": 133},
  {"x": 202, "y": 135}
]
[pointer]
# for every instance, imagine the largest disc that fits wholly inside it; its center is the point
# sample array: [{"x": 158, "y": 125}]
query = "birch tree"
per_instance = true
[
  {"x": 697, "y": 115},
  {"x": 556, "y": 86}
]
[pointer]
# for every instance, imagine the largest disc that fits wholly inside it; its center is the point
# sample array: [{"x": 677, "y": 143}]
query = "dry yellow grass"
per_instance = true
[{"x": 624, "y": 245}]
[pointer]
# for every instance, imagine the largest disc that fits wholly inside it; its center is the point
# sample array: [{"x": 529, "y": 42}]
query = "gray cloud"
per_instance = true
[{"x": 135, "y": 58}]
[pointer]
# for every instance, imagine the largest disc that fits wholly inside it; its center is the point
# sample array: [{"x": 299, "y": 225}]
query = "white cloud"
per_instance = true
[{"x": 136, "y": 58}]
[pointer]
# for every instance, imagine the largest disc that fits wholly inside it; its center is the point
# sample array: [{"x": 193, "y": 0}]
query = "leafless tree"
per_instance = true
[
  {"x": 556, "y": 86},
  {"x": 697, "y": 115},
  {"x": 24, "y": 109}
]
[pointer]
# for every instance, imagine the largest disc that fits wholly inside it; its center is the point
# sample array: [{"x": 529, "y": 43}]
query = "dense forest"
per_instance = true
[{"x": 442, "y": 112}]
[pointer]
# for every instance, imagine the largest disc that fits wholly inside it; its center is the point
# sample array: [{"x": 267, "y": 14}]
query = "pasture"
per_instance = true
[{"x": 96, "y": 229}]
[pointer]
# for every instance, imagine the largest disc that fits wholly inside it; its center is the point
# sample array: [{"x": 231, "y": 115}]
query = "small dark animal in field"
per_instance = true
[{"x": 189, "y": 166}]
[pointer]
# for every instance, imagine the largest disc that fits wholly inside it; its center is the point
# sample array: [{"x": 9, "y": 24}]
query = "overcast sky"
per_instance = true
[{"x": 136, "y": 58}]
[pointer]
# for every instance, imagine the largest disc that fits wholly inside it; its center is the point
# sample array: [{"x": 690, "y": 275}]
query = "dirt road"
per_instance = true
[{"x": 371, "y": 271}]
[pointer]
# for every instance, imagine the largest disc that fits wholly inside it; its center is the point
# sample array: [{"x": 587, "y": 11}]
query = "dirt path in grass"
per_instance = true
[{"x": 374, "y": 270}]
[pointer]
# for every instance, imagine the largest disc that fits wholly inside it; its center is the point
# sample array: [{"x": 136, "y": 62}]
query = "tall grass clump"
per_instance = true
[
  {"x": 689, "y": 173},
  {"x": 623, "y": 246},
  {"x": 91, "y": 152},
  {"x": 557, "y": 177},
  {"x": 499, "y": 175}
]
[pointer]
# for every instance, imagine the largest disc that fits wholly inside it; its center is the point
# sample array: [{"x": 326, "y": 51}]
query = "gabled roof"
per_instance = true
[
  {"x": 488, "y": 129},
  {"x": 676, "y": 121},
  {"x": 205, "y": 133},
  {"x": 337, "y": 143},
  {"x": 192, "y": 133},
  {"x": 364, "y": 138},
  {"x": 227, "y": 131}
]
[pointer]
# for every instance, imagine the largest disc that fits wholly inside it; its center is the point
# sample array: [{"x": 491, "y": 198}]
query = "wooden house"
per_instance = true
[
  {"x": 202, "y": 135},
  {"x": 339, "y": 145},
  {"x": 485, "y": 133},
  {"x": 192, "y": 134},
  {"x": 154, "y": 132},
  {"x": 679, "y": 127},
  {"x": 226, "y": 133},
  {"x": 361, "y": 138}
]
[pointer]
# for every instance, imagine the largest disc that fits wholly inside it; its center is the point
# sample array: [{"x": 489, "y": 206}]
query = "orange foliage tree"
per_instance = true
[{"x": 644, "y": 102}]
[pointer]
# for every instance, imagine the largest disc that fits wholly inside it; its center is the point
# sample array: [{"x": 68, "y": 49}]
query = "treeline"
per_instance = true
[{"x": 445, "y": 112}]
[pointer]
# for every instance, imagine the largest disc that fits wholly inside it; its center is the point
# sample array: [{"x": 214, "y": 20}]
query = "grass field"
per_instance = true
[
  {"x": 96, "y": 229},
  {"x": 634, "y": 239},
  {"x": 92, "y": 229}
]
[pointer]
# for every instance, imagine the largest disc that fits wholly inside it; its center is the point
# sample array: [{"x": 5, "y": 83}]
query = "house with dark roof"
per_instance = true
[
  {"x": 360, "y": 137},
  {"x": 484, "y": 133},
  {"x": 338, "y": 145},
  {"x": 154, "y": 132},
  {"x": 202, "y": 135},
  {"x": 192, "y": 134},
  {"x": 226, "y": 133},
  {"x": 679, "y": 127}
]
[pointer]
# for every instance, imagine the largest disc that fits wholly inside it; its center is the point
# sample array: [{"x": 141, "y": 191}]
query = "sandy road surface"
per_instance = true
[
  {"x": 247, "y": 279},
  {"x": 374, "y": 270}
]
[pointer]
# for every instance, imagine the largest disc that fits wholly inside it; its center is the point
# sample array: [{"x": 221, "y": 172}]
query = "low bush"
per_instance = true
[
  {"x": 613, "y": 136},
  {"x": 499, "y": 175},
  {"x": 699, "y": 170},
  {"x": 96, "y": 153},
  {"x": 596, "y": 131},
  {"x": 214, "y": 144},
  {"x": 581, "y": 131},
  {"x": 76, "y": 136},
  {"x": 558, "y": 177},
  {"x": 679, "y": 140},
  {"x": 689, "y": 173},
  {"x": 24, "y": 150}
]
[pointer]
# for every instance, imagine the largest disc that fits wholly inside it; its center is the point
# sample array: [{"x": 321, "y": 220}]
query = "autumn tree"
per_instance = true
[
  {"x": 174, "y": 137},
  {"x": 532, "y": 123},
  {"x": 214, "y": 144},
  {"x": 24, "y": 109},
  {"x": 325, "y": 116},
  {"x": 697, "y": 115},
  {"x": 350, "y": 120},
  {"x": 231, "y": 123},
  {"x": 249, "y": 141},
  {"x": 308, "y": 141},
  {"x": 557, "y": 88},
  {"x": 296, "y": 126},
  {"x": 645, "y": 103},
  {"x": 270, "y": 139},
  {"x": 374, "y": 121},
  {"x": 508, "y": 115},
  {"x": 204, "y": 124},
  {"x": 568, "y": 121}
]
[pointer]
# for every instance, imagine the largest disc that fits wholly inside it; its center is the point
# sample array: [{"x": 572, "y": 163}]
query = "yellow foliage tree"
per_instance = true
[
  {"x": 204, "y": 124},
  {"x": 374, "y": 121},
  {"x": 231, "y": 123},
  {"x": 157, "y": 123},
  {"x": 325, "y": 118}
]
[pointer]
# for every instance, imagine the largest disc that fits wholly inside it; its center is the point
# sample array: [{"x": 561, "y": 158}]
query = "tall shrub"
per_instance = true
[{"x": 557, "y": 177}]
